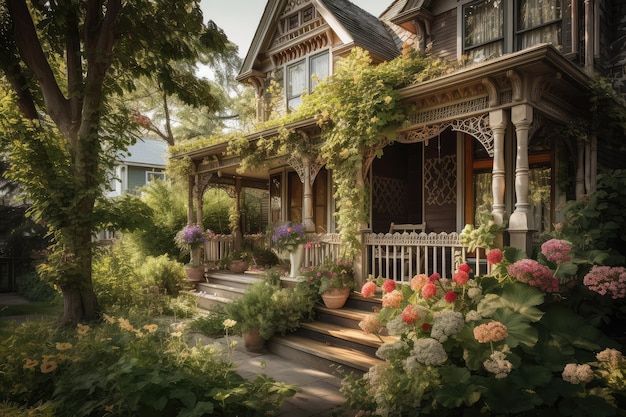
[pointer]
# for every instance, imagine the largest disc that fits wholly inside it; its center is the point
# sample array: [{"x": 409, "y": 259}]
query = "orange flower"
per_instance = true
[{"x": 48, "y": 366}]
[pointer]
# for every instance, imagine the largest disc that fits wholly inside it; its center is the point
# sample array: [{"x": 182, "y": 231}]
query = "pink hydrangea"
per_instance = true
[
  {"x": 389, "y": 285},
  {"x": 410, "y": 314},
  {"x": 434, "y": 277},
  {"x": 368, "y": 289},
  {"x": 533, "y": 273},
  {"x": 418, "y": 281},
  {"x": 465, "y": 268},
  {"x": 494, "y": 331},
  {"x": 460, "y": 277},
  {"x": 607, "y": 280},
  {"x": 429, "y": 290},
  {"x": 494, "y": 256},
  {"x": 557, "y": 251},
  {"x": 392, "y": 299}
]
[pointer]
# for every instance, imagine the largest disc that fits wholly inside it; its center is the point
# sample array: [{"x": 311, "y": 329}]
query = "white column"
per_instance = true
[
  {"x": 307, "y": 197},
  {"x": 497, "y": 122},
  {"x": 521, "y": 223}
]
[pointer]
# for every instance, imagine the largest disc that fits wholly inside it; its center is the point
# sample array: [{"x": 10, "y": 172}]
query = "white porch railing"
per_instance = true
[
  {"x": 218, "y": 248},
  {"x": 320, "y": 248},
  {"x": 401, "y": 256}
]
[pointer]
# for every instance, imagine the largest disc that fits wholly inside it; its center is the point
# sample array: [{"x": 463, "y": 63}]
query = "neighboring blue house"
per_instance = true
[{"x": 144, "y": 162}]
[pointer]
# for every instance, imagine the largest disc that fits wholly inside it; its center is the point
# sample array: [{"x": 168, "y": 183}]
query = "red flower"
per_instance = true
[
  {"x": 461, "y": 277},
  {"x": 426, "y": 327},
  {"x": 451, "y": 296},
  {"x": 368, "y": 289},
  {"x": 389, "y": 285},
  {"x": 434, "y": 277},
  {"x": 465, "y": 268},
  {"x": 494, "y": 256},
  {"x": 429, "y": 290}
]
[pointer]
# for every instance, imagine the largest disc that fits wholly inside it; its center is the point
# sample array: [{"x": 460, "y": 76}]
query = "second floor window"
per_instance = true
[
  {"x": 302, "y": 76},
  {"x": 539, "y": 21},
  {"x": 483, "y": 37}
]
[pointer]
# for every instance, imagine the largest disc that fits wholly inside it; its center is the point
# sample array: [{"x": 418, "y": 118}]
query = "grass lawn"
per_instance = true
[{"x": 40, "y": 307}]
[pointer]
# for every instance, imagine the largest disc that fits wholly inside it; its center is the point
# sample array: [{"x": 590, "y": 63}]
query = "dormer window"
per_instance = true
[
  {"x": 303, "y": 76},
  {"x": 307, "y": 14},
  {"x": 294, "y": 21}
]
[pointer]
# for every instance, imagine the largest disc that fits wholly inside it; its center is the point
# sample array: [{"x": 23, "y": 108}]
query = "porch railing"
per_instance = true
[{"x": 401, "y": 256}]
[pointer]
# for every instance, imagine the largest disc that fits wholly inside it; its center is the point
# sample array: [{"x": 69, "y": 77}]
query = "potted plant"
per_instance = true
[
  {"x": 266, "y": 309},
  {"x": 238, "y": 261},
  {"x": 190, "y": 239},
  {"x": 332, "y": 281},
  {"x": 290, "y": 238}
]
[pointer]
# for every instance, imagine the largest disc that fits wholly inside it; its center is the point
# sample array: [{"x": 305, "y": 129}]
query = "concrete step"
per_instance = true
[
  {"x": 220, "y": 290},
  {"x": 231, "y": 279},
  {"x": 337, "y": 335},
  {"x": 320, "y": 355},
  {"x": 208, "y": 301}
]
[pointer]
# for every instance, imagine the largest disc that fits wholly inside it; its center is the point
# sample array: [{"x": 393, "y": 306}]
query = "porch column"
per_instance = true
[
  {"x": 199, "y": 206},
  {"x": 307, "y": 197},
  {"x": 497, "y": 122},
  {"x": 190, "y": 187},
  {"x": 237, "y": 236},
  {"x": 521, "y": 224}
]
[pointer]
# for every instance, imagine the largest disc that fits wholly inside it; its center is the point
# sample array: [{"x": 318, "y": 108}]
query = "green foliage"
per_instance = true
[
  {"x": 484, "y": 236},
  {"x": 127, "y": 367},
  {"x": 498, "y": 343},
  {"x": 596, "y": 225},
  {"x": 31, "y": 286},
  {"x": 211, "y": 324},
  {"x": 330, "y": 274},
  {"x": 128, "y": 281},
  {"x": 270, "y": 308}
]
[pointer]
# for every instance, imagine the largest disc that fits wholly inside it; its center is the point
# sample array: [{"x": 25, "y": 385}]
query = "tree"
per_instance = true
[{"x": 64, "y": 62}]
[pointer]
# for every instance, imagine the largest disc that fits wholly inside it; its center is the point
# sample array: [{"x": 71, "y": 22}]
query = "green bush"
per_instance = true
[
  {"x": 211, "y": 324},
  {"x": 127, "y": 368},
  {"x": 32, "y": 287}
]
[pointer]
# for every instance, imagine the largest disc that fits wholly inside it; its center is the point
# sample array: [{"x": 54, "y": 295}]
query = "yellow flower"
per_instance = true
[
  {"x": 388, "y": 99},
  {"x": 108, "y": 409},
  {"x": 48, "y": 366},
  {"x": 151, "y": 328},
  {"x": 228, "y": 323},
  {"x": 125, "y": 325},
  {"x": 82, "y": 329},
  {"x": 64, "y": 346},
  {"x": 31, "y": 363},
  {"x": 108, "y": 318},
  {"x": 176, "y": 334}
]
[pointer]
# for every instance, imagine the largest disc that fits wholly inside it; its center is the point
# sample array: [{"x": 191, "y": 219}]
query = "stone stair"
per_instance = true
[{"x": 331, "y": 342}]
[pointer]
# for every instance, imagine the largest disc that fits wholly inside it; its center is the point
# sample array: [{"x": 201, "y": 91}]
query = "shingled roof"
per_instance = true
[{"x": 367, "y": 31}]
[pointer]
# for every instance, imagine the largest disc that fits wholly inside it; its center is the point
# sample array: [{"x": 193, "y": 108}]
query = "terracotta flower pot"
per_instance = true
[
  {"x": 239, "y": 266},
  {"x": 195, "y": 274},
  {"x": 253, "y": 341},
  {"x": 336, "y": 297}
]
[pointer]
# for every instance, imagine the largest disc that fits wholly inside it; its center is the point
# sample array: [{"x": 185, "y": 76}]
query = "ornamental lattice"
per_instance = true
[
  {"x": 440, "y": 180},
  {"x": 389, "y": 193}
]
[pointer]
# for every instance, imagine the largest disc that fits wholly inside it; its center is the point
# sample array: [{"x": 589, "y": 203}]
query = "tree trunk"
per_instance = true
[{"x": 80, "y": 304}]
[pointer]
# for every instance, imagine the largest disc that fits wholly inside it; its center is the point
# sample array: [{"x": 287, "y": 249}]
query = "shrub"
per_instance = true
[{"x": 123, "y": 367}]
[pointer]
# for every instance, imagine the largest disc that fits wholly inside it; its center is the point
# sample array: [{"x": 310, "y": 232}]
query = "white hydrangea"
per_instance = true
[
  {"x": 388, "y": 350},
  {"x": 498, "y": 365},
  {"x": 576, "y": 374},
  {"x": 446, "y": 323},
  {"x": 473, "y": 315},
  {"x": 429, "y": 351},
  {"x": 397, "y": 326}
]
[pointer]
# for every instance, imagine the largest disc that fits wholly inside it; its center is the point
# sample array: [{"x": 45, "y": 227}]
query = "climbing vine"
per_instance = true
[{"x": 357, "y": 108}]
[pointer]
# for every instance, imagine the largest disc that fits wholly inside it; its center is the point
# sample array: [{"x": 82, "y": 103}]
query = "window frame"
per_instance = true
[{"x": 294, "y": 100}]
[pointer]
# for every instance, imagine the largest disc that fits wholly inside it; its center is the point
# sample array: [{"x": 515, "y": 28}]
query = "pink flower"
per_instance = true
[
  {"x": 409, "y": 314},
  {"x": 533, "y": 273},
  {"x": 368, "y": 289},
  {"x": 389, "y": 285},
  {"x": 494, "y": 256},
  {"x": 429, "y": 290},
  {"x": 465, "y": 268},
  {"x": 607, "y": 280},
  {"x": 460, "y": 277},
  {"x": 451, "y": 296},
  {"x": 392, "y": 299},
  {"x": 418, "y": 281},
  {"x": 556, "y": 250},
  {"x": 494, "y": 331},
  {"x": 434, "y": 277}
]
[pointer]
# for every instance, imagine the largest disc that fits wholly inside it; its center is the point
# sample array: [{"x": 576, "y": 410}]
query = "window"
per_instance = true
[
  {"x": 294, "y": 21},
  {"x": 308, "y": 14},
  {"x": 152, "y": 176},
  {"x": 539, "y": 21},
  {"x": 483, "y": 36},
  {"x": 301, "y": 79},
  {"x": 487, "y": 31}
]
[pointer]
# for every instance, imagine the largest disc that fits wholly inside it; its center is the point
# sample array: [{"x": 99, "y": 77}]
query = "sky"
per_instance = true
[{"x": 239, "y": 18}]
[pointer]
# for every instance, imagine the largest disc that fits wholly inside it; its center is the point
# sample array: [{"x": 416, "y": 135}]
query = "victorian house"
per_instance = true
[{"x": 485, "y": 140}]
